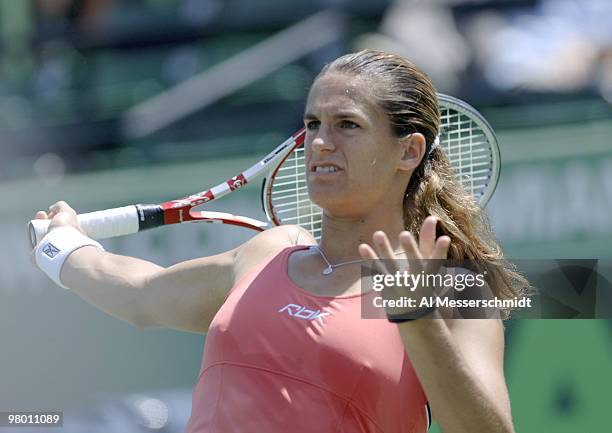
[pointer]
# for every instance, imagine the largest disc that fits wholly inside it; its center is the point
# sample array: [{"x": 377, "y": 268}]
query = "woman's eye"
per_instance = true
[
  {"x": 347, "y": 124},
  {"x": 312, "y": 124}
]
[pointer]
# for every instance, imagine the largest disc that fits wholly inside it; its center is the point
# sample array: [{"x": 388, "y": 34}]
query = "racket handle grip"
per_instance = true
[{"x": 97, "y": 225}]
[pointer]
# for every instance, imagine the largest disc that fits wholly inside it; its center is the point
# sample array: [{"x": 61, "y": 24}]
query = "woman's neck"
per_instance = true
[{"x": 341, "y": 237}]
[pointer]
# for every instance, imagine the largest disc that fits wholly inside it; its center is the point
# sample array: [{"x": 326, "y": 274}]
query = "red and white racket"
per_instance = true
[{"x": 465, "y": 135}]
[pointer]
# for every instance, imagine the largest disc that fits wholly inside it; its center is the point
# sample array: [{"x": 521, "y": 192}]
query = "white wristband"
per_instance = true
[{"x": 53, "y": 250}]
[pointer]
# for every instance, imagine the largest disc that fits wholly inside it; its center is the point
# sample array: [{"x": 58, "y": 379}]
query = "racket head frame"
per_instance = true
[{"x": 445, "y": 102}]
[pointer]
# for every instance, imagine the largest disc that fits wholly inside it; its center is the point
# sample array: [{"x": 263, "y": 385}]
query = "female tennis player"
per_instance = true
[{"x": 287, "y": 348}]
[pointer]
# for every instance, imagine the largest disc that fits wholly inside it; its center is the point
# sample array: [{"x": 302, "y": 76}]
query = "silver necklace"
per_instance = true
[{"x": 330, "y": 268}]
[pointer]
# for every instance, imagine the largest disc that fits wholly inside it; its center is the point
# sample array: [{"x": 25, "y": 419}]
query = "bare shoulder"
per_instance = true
[
  {"x": 266, "y": 243},
  {"x": 187, "y": 296}
]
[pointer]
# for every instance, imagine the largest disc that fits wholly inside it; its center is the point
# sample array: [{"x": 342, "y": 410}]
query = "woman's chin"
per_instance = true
[
  {"x": 324, "y": 198},
  {"x": 335, "y": 207}
]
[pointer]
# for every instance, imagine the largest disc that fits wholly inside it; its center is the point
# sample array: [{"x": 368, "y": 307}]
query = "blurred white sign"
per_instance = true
[{"x": 554, "y": 201}]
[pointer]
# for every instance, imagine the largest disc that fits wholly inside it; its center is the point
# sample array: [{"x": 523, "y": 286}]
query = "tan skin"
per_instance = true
[{"x": 459, "y": 362}]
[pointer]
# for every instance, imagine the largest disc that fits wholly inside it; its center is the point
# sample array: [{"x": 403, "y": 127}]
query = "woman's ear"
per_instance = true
[{"x": 413, "y": 151}]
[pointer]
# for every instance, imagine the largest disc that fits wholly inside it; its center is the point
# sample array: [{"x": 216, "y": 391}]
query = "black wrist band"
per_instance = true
[{"x": 412, "y": 315}]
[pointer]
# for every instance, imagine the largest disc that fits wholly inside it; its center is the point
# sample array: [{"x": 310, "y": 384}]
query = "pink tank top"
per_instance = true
[{"x": 279, "y": 359}]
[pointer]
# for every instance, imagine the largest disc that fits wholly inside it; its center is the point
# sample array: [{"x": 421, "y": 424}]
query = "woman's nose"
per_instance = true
[{"x": 322, "y": 142}]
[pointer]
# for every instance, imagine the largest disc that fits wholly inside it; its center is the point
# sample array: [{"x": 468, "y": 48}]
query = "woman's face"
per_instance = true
[{"x": 353, "y": 158}]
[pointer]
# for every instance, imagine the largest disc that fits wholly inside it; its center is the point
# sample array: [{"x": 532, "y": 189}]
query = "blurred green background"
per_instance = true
[{"x": 72, "y": 73}]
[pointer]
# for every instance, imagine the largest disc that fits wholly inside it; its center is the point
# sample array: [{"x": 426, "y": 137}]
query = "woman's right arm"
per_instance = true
[{"x": 185, "y": 296}]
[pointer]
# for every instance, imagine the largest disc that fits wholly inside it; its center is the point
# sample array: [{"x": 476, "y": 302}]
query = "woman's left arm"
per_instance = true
[
  {"x": 460, "y": 365},
  {"x": 460, "y": 362}
]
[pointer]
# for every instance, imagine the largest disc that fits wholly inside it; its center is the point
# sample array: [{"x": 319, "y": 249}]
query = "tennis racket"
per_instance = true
[{"x": 466, "y": 136}]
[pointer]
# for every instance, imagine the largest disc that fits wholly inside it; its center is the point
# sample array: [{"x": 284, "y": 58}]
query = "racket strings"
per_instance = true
[
  {"x": 468, "y": 150},
  {"x": 289, "y": 195}
]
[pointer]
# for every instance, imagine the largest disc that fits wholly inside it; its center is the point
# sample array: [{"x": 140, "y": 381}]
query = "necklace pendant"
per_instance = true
[{"x": 328, "y": 270}]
